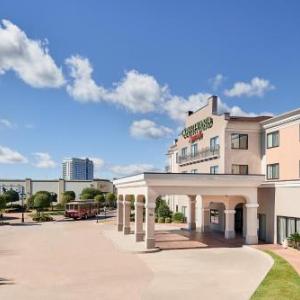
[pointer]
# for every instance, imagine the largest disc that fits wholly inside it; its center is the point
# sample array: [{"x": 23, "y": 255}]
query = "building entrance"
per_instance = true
[{"x": 238, "y": 222}]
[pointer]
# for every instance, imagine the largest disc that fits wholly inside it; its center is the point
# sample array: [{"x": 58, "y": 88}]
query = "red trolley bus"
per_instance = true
[{"x": 81, "y": 209}]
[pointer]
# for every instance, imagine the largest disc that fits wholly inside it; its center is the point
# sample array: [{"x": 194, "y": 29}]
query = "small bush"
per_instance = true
[
  {"x": 42, "y": 218},
  {"x": 178, "y": 217},
  {"x": 163, "y": 210},
  {"x": 161, "y": 220},
  {"x": 168, "y": 220},
  {"x": 59, "y": 206}
]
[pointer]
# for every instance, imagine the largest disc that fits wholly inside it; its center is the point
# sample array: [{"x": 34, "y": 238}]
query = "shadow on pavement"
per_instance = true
[{"x": 4, "y": 281}]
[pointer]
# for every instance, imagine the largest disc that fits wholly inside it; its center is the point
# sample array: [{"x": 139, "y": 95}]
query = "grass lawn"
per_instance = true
[{"x": 282, "y": 282}]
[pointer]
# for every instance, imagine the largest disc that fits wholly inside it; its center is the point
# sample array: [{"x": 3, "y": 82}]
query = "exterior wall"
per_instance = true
[
  {"x": 251, "y": 156},
  {"x": 218, "y": 129},
  {"x": 288, "y": 152},
  {"x": 288, "y": 201},
  {"x": 266, "y": 201},
  {"x": 39, "y": 185}
]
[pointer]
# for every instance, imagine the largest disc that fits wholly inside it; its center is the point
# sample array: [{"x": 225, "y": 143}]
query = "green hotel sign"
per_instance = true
[{"x": 196, "y": 129}]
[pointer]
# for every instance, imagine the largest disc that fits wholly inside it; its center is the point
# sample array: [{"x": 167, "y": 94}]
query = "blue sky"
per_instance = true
[{"x": 111, "y": 80}]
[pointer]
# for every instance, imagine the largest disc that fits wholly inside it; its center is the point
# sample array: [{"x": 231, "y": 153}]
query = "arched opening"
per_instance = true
[{"x": 239, "y": 218}]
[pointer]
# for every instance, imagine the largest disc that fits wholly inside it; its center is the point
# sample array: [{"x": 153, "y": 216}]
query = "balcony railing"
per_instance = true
[{"x": 203, "y": 155}]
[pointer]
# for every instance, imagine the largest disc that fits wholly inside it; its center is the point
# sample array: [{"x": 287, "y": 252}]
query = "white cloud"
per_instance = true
[
  {"x": 142, "y": 93},
  {"x": 177, "y": 107},
  {"x": 131, "y": 169},
  {"x": 29, "y": 58},
  {"x": 217, "y": 81},
  {"x": 6, "y": 123},
  {"x": 44, "y": 160},
  {"x": 98, "y": 162},
  {"x": 149, "y": 129},
  {"x": 136, "y": 91},
  {"x": 9, "y": 156},
  {"x": 256, "y": 87}
]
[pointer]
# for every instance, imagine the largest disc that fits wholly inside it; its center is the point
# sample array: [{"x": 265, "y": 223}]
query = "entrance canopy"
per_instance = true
[
  {"x": 224, "y": 188},
  {"x": 189, "y": 184}
]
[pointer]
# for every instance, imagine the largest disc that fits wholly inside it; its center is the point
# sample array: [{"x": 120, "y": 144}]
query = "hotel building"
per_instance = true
[
  {"x": 78, "y": 169},
  {"x": 236, "y": 175}
]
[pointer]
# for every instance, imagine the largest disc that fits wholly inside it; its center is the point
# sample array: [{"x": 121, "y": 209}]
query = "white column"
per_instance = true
[
  {"x": 229, "y": 223},
  {"x": 192, "y": 213},
  {"x": 139, "y": 221},
  {"x": 126, "y": 216},
  {"x": 251, "y": 231},
  {"x": 205, "y": 220},
  {"x": 120, "y": 215},
  {"x": 150, "y": 224}
]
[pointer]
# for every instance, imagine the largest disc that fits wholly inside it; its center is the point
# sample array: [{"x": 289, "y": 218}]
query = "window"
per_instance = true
[
  {"x": 273, "y": 171},
  {"x": 184, "y": 152},
  {"x": 176, "y": 208},
  {"x": 239, "y": 169},
  {"x": 239, "y": 141},
  {"x": 214, "y": 169},
  {"x": 194, "y": 149},
  {"x": 183, "y": 210},
  {"x": 286, "y": 226},
  {"x": 273, "y": 139},
  {"x": 194, "y": 171},
  {"x": 214, "y": 143},
  {"x": 214, "y": 216}
]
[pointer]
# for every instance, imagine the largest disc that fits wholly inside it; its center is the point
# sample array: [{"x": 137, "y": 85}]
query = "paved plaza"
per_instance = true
[{"x": 82, "y": 260}]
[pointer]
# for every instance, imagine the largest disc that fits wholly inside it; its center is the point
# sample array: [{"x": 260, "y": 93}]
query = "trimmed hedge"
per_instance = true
[
  {"x": 42, "y": 218},
  {"x": 161, "y": 220},
  {"x": 178, "y": 217}
]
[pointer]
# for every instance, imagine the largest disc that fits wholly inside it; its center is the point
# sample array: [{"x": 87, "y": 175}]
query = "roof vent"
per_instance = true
[{"x": 190, "y": 112}]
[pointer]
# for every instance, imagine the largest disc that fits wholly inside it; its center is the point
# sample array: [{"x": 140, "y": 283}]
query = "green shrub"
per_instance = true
[
  {"x": 178, "y": 217},
  {"x": 294, "y": 240},
  {"x": 163, "y": 210},
  {"x": 168, "y": 220},
  {"x": 42, "y": 218},
  {"x": 161, "y": 220}
]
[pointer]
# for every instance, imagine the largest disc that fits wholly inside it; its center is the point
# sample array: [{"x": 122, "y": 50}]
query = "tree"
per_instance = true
[
  {"x": 89, "y": 193},
  {"x": 157, "y": 204},
  {"x": 30, "y": 202},
  {"x": 100, "y": 199},
  {"x": 41, "y": 201},
  {"x": 111, "y": 199},
  {"x": 11, "y": 196},
  {"x": 67, "y": 197},
  {"x": 2, "y": 204},
  {"x": 163, "y": 210}
]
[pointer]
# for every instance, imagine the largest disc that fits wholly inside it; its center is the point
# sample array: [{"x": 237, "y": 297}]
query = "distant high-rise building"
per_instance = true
[{"x": 78, "y": 169}]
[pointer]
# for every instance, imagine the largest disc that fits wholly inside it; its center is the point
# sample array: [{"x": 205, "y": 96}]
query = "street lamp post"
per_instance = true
[{"x": 22, "y": 198}]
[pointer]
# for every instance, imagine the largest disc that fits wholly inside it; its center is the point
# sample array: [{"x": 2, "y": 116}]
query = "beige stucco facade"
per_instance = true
[{"x": 224, "y": 153}]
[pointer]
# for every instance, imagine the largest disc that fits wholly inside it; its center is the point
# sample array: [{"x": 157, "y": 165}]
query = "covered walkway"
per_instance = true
[{"x": 229, "y": 190}]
